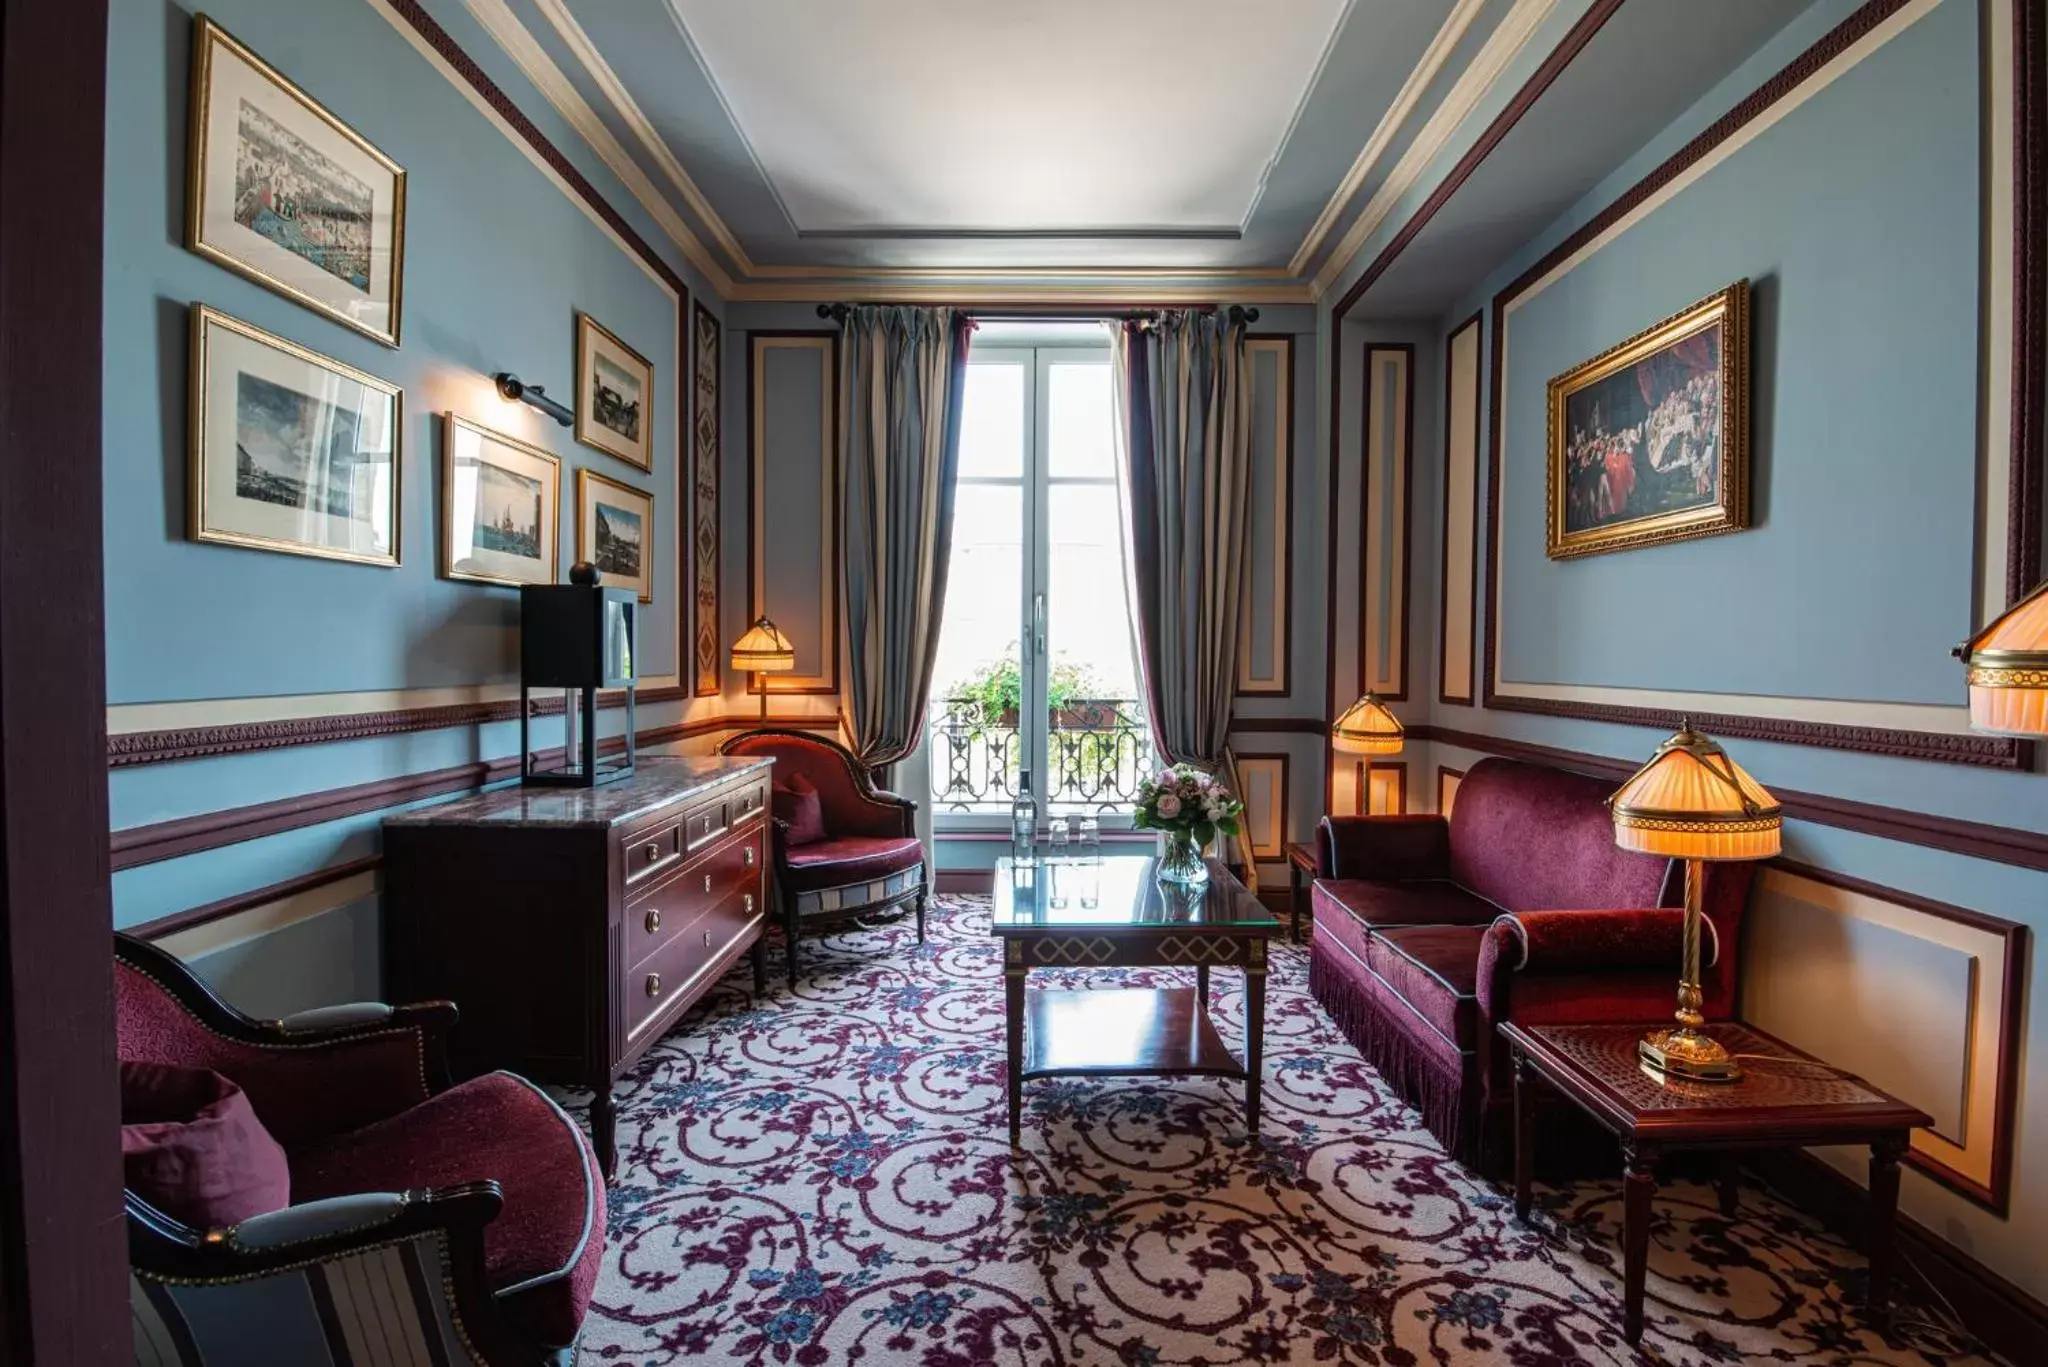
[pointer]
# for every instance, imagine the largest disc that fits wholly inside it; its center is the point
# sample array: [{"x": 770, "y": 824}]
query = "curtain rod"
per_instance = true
[{"x": 1237, "y": 313}]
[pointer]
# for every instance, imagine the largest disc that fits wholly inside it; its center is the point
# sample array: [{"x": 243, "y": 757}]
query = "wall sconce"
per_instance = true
[{"x": 513, "y": 390}]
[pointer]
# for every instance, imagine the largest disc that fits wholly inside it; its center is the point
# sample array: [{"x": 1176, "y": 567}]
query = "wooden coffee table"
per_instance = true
[
  {"x": 1787, "y": 1099},
  {"x": 1112, "y": 913}
]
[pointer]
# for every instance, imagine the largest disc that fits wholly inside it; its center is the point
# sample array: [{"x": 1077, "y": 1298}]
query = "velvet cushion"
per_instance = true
[
  {"x": 1434, "y": 970},
  {"x": 1428, "y": 903},
  {"x": 191, "y": 1146},
  {"x": 829, "y": 769},
  {"x": 1385, "y": 848},
  {"x": 541, "y": 1254},
  {"x": 1532, "y": 838},
  {"x": 836, "y": 862},
  {"x": 799, "y": 809}
]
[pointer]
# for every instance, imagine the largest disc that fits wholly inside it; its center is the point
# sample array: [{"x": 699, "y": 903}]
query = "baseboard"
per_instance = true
[{"x": 2010, "y": 1322}]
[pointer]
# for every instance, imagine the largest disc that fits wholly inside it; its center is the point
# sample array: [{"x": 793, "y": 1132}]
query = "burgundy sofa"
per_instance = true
[{"x": 1429, "y": 932}]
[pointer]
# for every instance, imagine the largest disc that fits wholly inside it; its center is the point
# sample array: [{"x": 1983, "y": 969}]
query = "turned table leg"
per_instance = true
[
  {"x": 1013, "y": 1031},
  {"x": 1884, "y": 1210},
  {"x": 1254, "y": 1031},
  {"x": 1202, "y": 985},
  {"x": 759, "y": 954},
  {"x": 1297, "y": 897},
  {"x": 1639, "y": 1185},
  {"x": 1525, "y": 1135}
]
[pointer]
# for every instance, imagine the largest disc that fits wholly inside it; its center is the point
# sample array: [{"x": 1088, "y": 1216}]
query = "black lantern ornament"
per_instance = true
[{"x": 576, "y": 637}]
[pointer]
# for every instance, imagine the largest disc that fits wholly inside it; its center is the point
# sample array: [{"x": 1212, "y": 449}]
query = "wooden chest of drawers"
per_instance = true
[{"x": 572, "y": 927}]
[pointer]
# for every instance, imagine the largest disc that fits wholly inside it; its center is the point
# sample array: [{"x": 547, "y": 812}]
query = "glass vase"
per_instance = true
[{"x": 1180, "y": 860}]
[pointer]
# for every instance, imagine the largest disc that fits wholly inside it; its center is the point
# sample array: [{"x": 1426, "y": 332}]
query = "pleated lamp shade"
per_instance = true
[
  {"x": 1367, "y": 728},
  {"x": 763, "y": 650},
  {"x": 1693, "y": 802},
  {"x": 2007, "y": 666}
]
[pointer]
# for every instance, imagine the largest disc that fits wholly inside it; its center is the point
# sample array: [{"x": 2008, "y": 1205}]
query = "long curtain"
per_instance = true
[
  {"x": 902, "y": 373},
  {"x": 1184, "y": 480}
]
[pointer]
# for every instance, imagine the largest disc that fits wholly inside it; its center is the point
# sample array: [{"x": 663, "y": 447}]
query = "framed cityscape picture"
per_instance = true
[
  {"x": 501, "y": 506},
  {"x": 1649, "y": 441},
  {"x": 614, "y": 395},
  {"x": 289, "y": 450},
  {"x": 614, "y": 531},
  {"x": 285, "y": 193}
]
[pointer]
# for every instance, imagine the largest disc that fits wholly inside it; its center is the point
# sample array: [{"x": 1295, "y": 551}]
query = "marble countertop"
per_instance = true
[{"x": 657, "y": 781}]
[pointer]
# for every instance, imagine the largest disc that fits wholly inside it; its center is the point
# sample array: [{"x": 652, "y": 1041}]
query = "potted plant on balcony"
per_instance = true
[{"x": 1188, "y": 808}]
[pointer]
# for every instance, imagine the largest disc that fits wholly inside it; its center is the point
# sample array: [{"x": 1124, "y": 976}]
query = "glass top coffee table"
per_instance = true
[{"x": 1112, "y": 913}]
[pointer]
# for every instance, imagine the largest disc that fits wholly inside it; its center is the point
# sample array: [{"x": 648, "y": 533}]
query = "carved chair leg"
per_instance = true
[{"x": 922, "y": 898}]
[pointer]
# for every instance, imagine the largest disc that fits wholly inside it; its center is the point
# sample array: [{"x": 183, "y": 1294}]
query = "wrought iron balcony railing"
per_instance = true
[{"x": 1098, "y": 751}]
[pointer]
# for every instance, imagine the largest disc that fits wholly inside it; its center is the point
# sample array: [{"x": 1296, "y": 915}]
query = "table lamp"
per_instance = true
[
  {"x": 1692, "y": 802},
  {"x": 2007, "y": 667},
  {"x": 763, "y": 650},
  {"x": 1366, "y": 729}
]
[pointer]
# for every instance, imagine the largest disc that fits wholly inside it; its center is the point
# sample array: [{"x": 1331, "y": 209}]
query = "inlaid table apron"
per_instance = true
[{"x": 1112, "y": 913}]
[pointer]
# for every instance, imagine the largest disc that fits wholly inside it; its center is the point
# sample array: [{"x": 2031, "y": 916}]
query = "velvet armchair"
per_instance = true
[
  {"x": 467, "y": 1222},
  {"x": 842, "y": 848},
  {"x": 1430, "y": 931}
]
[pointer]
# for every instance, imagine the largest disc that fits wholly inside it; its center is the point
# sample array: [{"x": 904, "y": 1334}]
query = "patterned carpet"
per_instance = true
[{"x": 823, "y": 1178}]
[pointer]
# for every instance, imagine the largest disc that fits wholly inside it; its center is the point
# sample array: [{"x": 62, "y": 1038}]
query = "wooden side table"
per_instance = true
[
  {"x": 1787, "y": 1099},
  {"x": 1301, "y": 871}
]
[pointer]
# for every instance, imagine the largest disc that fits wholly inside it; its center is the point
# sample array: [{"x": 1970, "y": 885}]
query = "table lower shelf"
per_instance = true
[{"x": 1122, "y": 1032}]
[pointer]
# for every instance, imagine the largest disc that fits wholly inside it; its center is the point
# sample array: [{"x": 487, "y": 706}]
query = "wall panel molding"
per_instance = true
[
  {"x": 698, "y": 623},
  {"x": 1386, "y": 513},
  {"x": 2012, "y": 493},
  {"x": 1265, "y": 826},
  {"x": 285, "y": 889},
  {"x": 821, "y": 345},
  {"x": 1447, "y": 781},
  {"x": 1458, "y": 570},
  {"x": 1272, "y": 544},
  {"x": 1389, "y": 780}
]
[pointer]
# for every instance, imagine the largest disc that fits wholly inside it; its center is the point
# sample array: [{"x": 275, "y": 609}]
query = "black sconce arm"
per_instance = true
[{"x": 511, "y": 387}]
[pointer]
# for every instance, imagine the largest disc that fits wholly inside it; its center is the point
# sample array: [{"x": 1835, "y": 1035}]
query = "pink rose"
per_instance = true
[{"x": 1169, "y": 806}]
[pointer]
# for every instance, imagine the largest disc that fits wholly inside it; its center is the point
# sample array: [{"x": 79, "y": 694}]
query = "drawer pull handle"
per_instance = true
[
  {"x": 652, "y": 850},
  {"x": 654, "y": 984},
  {"x": 748, "y": 902},
  {"x": 707, "y": 939},
  {"x": 707, "y": 882},
  {"x": 747, "y": 856},
  {"x": 653, "y": 920}
]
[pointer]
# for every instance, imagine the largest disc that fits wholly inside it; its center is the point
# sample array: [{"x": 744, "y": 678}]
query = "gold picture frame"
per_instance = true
[
  {"x": 347, "y": 263},
  {"x": 633, "y": 510},
  {"x": 1648, "y": 442},
  {"x": 469, "y": 553},
  {"x": 614, "y": 395},
  {"x": 301, "y": 454}
]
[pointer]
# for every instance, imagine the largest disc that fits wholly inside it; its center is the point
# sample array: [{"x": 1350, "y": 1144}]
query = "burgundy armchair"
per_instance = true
[
  {"x": 468, "y": 1219},
  {"x": 1430, "y": 932},
  {"x": 856, "y": 854}
]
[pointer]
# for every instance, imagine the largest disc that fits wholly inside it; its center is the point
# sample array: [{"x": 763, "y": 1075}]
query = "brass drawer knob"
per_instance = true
[
  {"x": 748, "y": 901},
  {"x": 707, "y": 939},
  {"x": 654, "y": 984},
  {"x": 653, "y": 920},
  {"x": 652, "y": 850},
  {"x": 707, "y": 882},
  {"x": 747, "y": 856}
]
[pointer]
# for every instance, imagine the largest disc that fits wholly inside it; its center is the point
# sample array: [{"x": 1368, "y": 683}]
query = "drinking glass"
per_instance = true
[
  {"x": 1056, "y": 837},
  {"x": 1091, "y": 837}
]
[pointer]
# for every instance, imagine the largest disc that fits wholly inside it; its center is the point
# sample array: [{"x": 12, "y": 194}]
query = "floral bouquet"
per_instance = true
[{"x": 1188, "y": 807}]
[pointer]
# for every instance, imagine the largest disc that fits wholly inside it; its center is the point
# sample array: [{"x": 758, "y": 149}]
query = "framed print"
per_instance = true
[
  {"x": 289, "y": 450},
  {"x": 285, "y": 193},
  {"x": 614, "y": 531},
  {"x": 702, "y": 630},
  {"x": 615, "y": 395},
  {"x": 1649, "y": 441},
  {"x": 501, "y": 503}
]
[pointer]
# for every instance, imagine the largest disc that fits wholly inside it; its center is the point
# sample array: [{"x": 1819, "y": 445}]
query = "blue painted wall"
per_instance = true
[
  {"x": 1857, "y": 219},
  {"x": 499, "y": 258}
]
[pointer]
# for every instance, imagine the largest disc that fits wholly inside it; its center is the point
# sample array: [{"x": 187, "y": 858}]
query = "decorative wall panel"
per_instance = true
[
  {"x": 701, "y": 628},
  {"x": 1265, "y": 803},
  {"x": 1388, "y": 442},
  {"x": 793, "y": 500},
  {"x": 1389, "y": 787},
  {"x": 1457, "y": 659},
  {"x": 1447, "y": 781},
  {"x": 1266, "y": 631}
]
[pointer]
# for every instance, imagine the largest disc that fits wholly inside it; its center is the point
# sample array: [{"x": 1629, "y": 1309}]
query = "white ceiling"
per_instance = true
[{"x": 1013, "y": 116}]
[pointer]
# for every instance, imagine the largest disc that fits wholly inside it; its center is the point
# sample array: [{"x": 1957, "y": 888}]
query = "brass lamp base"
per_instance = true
[{"x": 1686, "y": 1053}]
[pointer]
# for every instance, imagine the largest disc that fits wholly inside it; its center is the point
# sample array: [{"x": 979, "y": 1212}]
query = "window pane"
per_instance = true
[
  {"x": 1080, "y": 430},
  {"x": 974, "y": 752},
  {"x": 1098, "y": 742},
  {"x": 992, "y": 420}
]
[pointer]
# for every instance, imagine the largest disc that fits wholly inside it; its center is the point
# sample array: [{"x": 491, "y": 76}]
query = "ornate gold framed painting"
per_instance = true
[
  {"x": 615, "y": 395},
  {"x": 501, "y": 504},
  {"x": 282, "y": 191},
  {"x": 1649, "y": 441},
  {"x": 614, "y": 531},
  {"x": 290, "y": 450}
]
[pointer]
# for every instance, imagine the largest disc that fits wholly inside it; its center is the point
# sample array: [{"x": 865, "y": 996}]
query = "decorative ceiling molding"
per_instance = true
[
  {"x": 555, "y": 86},
  {"x": 1433, "y": 58},
  {"x": 1480, "y": 76}
]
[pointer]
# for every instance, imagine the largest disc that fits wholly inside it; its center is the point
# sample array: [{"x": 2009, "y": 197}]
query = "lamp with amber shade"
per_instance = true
[
  {"x": 1692, "y": 802},
  {"x": 2007, "y": 667},
  {"x": 1366, "y": 729},
  {"x": 763, "y": 650}
]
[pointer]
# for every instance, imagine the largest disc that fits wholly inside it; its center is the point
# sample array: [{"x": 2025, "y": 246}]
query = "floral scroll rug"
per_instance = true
[{"x": 824, "y": 1176}]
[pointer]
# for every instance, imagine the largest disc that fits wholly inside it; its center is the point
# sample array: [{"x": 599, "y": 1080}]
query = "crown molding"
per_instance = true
[{"x": 1396, "y": 114}]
